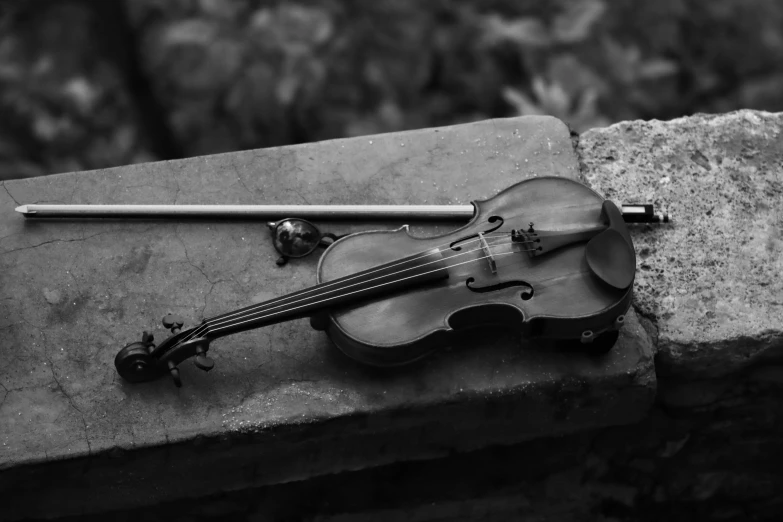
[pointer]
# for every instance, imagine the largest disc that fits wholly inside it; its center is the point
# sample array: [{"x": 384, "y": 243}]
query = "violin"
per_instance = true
[{"x": 548, "y": 257}]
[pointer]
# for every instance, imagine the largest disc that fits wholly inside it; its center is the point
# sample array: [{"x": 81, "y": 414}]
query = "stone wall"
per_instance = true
[
  {"x": 717, "y": 462},
  {"x": 712, "y": 291},
  {"x": 708, "y": 296}
]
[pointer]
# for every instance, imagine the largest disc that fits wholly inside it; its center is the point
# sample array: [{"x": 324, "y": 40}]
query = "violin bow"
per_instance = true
[{"x": 632, "y": 213}]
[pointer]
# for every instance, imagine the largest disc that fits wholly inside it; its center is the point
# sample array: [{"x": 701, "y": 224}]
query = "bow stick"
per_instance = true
[{"x": 635, "y": 213}]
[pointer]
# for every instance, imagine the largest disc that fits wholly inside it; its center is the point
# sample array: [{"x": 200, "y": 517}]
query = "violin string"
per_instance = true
[
  {"x": 205, "y": 326},
  {"x": 237, "y": 323},
  {"x": 249, "y": 316},
  {"x": 281, "y": 301},
  {"x": 265, "y": 306},
  {"x": 440, "y": 248},
  {"x": 210, "y": 326}
]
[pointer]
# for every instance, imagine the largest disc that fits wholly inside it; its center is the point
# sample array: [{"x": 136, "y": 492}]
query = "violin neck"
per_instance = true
[{"x": 391, "y": 277}]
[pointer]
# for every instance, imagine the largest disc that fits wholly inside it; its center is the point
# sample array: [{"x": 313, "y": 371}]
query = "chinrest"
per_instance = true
[{"x": 610, "y": 254}]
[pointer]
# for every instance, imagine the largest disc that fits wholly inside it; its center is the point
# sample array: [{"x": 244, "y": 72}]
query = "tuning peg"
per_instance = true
[
  {"x": 175, "y": 374},
  {"x": 173, "y": 322},
  {"x": 147, "y": 338},
  {"x": 203, "y": 362}
]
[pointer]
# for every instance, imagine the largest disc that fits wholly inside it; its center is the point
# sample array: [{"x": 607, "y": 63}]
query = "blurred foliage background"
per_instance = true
[{"x": 87, "y": 84}]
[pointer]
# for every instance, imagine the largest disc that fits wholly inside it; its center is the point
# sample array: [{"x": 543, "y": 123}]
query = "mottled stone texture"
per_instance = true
[
  {"x": 709, "y": 289},
  {"x": 281, "y": 404},
  {"x": 711, "y": 280}
]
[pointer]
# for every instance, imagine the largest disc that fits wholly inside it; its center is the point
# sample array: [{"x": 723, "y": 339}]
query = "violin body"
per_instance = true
[
  {"x": 548, "y": 256},
  {"x": 560, "y": 294}
]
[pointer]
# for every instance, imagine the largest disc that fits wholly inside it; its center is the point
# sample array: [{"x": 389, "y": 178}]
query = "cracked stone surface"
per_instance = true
[
  {"x": 282, "y": 404},
  {"x": 710, "y": 281}
]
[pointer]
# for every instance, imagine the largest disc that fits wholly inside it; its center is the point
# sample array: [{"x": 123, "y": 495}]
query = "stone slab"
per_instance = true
[
  {"x": 281, "y": 404},
  {"x": 711, "y": 281}
]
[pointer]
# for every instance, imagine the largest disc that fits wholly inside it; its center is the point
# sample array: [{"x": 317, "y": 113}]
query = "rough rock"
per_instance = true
[{"x": 709, "y": 281}]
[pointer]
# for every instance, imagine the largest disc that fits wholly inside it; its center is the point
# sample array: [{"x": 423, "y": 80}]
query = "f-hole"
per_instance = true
[
  {"x": 527, "y": 291},
  {"x": 492, "y": 219}
]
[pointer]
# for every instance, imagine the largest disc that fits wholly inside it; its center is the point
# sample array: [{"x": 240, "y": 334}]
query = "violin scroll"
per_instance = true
[
  {"x": 144, "y": 361},
  {"x": 135, "y": 363}
]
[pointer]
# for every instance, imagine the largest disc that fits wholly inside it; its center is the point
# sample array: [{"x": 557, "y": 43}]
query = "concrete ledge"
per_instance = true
[
  {"x": 281, "y": 404},
  {"x": 706, "y": 291}
]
